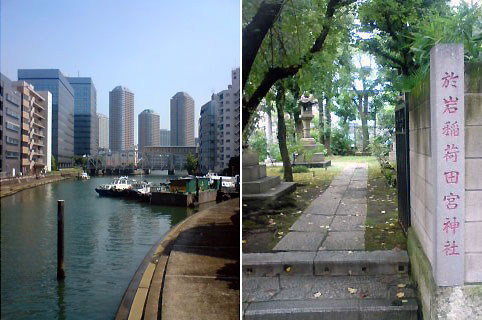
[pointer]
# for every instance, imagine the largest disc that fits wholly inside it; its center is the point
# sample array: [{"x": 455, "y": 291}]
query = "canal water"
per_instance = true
[{"x": 105, "y": 241}]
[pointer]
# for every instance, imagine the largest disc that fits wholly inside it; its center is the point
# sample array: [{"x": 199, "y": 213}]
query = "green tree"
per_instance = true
[
  {"x": 292, "y": 36},
  {"x": 54, "y": 164},
  {"x": 192, "y": 164},
  {"x": 258, "y": 142}
]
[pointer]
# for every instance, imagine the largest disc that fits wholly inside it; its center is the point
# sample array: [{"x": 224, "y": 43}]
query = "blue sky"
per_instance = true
[{"x": 154, "y": 47}]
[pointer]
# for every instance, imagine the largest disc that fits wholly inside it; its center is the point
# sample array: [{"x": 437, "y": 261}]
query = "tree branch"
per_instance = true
[
  {"x": 278, "y": 73},
  {"x": 255, "y": 32}
]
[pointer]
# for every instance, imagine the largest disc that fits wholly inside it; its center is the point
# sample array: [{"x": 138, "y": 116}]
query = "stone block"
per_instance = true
[
  {"x": 473, "y": 207},
  {"x": 473, "y": 173},
  {"x": 361, "y": 263},
  {"x": 473, "y": 80},
  {"x": 273, "y": 264},
  {"x": 312, "y": 222},
  {"x": 261, "y": 185},
  {"x": 473, "y": 141},
  {"x": 300, "y": 241},
  {"x": 473, "y": 237},
  {"x": 250, "y": 173},
  {"x": 473, "y": 271},
  {"x": 250, "y": 158},
  {"x": 344, "y": 240},
  {"x": 348, "y": 223},
  {"x": 352, "y": 209},
  {"x": 473, "y": 111}
]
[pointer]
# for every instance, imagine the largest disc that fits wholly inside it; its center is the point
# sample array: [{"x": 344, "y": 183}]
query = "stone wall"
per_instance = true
[
  {"x": 473, "y": 173},
  {"x": 422, "y": 200}
]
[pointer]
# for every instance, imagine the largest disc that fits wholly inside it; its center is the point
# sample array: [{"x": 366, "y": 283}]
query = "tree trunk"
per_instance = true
[
  {"x": 363, "y": 118},
  {"x": 321, "y": 125},
  {"x": 283, "y": 148},
  {"x": 328, "y": 125}
]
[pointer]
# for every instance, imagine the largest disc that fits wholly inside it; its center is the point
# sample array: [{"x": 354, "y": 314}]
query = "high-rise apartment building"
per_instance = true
[
  {"x": 182, "y": 120},
  {"x": 85, "y": 120},
  {"x": 103, "y": 129},
  {"x": 165, "y": 137},
  {"x": 36, "y": 129},
  {"x": 148, "y": 129},
  {"x": 121, "y": 119},
  {"x": 228, "y": 122},
  {"x": 10, "y": 130},
  {"x": 62, "y": 110},
  {"x": 207, "y": 137}
]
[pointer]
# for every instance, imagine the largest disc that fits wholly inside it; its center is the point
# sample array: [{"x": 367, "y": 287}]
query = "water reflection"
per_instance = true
[{"x": 105, "y": 240}]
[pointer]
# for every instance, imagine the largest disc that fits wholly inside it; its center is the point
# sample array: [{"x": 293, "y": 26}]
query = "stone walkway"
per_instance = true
[{"x": 336, "y": 219}]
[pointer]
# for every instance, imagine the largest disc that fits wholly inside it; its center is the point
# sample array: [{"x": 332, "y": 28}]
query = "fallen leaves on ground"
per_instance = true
[{"x": 352, "y": 290}]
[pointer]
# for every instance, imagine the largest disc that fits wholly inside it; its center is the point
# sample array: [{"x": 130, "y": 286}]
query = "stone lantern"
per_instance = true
[{"x": 317, "y": 159}]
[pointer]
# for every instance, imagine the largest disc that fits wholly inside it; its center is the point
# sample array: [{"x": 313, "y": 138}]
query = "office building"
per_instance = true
[
  {"x": 121, "y": 119},
  {"x": 62, "y": 110},
  {"x": 149, "y": 133},
  {"x": 103, "y": 129},
  {"x": 207, "y": 137},
  {"x": 165, "y": 138},
  {"x": 182, "y": 120},
  {"x": 85, "y": 120},
  {"x": 10, "y": 130},
  {"x": 228, "y": 142}
]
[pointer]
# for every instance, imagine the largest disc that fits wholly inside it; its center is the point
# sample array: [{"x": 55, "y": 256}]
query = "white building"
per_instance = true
[
  {"x": 103, "y": 131},
  {"x": 228, "y": 139}
]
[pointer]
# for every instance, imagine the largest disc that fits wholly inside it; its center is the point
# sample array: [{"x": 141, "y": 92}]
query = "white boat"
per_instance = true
[
  {"x": 84, "y": 176},
  {"x": 116, "y": 188},
  {"x": 227, "y": 181}
]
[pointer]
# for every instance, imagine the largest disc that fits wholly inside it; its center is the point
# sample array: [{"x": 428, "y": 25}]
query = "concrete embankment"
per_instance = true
[
  {"x": 13, "y": 185},
  {"x": 193, "y": 273}
]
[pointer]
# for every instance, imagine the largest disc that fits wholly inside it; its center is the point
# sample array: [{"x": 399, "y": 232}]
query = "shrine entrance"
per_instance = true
[{"x": 403, "y": 162}]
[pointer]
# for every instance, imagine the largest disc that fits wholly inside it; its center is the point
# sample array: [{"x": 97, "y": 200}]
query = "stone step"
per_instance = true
[
  {"x": 326, "y": 263},
  {"x": 367, "y": 309},
  {"x": 271, "y": 194},
  {"x": 319, "y": 297},
  {"x": 252, "y": 173},
  {"x": 261, "y": 185}
]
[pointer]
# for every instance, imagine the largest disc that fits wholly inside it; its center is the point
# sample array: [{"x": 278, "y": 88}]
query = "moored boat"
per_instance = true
[{"x": 120, "y": 186}]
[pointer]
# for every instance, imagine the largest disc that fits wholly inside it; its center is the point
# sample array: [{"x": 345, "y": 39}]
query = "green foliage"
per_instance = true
[
  {"x": 191, "y": 164},
  {"x": 258, "y": 142},
  {"x": 54, "y": 164},
  {"x": 340, "y": 143},
  {"x": 379, "y": 147},
  {"x": 274, "y": 152},
  {"x": 463, "y": 25},
  {"x": 80, "y": 161}
]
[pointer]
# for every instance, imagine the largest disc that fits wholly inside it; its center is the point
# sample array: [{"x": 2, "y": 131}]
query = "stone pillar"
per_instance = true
[{"x": 448, "y": 159}]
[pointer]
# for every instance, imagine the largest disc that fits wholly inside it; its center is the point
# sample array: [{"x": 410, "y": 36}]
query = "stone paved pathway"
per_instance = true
[{"x": 336, "y": 219}]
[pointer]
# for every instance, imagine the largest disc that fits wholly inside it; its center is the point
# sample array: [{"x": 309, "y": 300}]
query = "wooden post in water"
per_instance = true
[{"x": 60, "y": 240}]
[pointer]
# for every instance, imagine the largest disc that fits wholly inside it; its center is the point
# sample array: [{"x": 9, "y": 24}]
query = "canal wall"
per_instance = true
[
  {"x": 12, "y": 185},
  {"x": 197, "y": 256}
]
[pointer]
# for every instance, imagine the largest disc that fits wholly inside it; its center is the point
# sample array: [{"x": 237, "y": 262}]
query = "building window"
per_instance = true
[
  {"x": 12, "y": 127},
  {"x": 13, "y": 99},
  {"x": 11, "y": 154},
  {"x": 13, "y": 114},
  {"x": 12, "y": 141}
]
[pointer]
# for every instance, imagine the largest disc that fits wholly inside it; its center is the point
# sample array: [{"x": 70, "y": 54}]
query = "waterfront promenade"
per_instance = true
[
  {"x": 193, "y": 273},
  {"x": 11, "y": 186}
]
